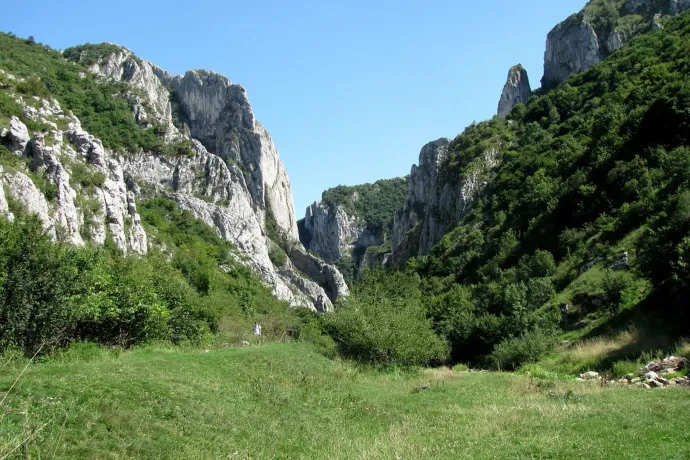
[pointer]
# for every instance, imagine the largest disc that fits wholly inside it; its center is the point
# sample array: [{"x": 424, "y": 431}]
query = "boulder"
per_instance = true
[
  {"x": 591, "y": 375},
  {"x": 16, "y": 138},
  {"x": 655, "y": 384},
  {"x": 651, "y": 376},
  {"x": 672, "y": 362}
]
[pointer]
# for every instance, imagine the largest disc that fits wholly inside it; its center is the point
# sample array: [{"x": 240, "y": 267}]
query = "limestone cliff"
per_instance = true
[
  {"x": 571, "y": 47},
  {"x": 333, "y": 233},
  {"x": 584, "y": 39},
  {"x": 517, "y": 90},
  {"x": 231, "y": 178},
  {"x": 435, "y": 205},
  {"x": 348, "y": 221}
]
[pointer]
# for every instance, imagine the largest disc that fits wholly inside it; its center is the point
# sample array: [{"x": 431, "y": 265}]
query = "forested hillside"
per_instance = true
[
  {"x": 374, "y": 203},
  {"x": 351, "y": 226},
  {"x": 589, "y": 210}
]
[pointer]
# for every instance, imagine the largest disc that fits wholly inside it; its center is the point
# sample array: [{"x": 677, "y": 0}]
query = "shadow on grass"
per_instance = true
[{"x": 660, "y": 321}]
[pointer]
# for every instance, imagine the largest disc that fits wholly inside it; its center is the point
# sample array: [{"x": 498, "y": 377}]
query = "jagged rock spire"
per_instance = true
[{"x": 517, "y": 90}]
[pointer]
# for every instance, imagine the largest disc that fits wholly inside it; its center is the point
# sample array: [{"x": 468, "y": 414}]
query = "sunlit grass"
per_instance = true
[{"x": 286, "y": 401}]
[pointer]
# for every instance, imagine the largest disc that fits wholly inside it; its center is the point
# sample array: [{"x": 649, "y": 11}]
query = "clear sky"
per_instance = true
[{"x": 349, "y": 90}]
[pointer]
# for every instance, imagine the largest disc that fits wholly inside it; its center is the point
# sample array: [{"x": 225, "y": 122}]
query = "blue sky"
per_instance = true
[{"x": 349, "y": 90}]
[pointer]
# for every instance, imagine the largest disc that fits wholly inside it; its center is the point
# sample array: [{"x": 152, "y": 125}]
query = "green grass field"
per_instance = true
[{"x": 287, "y": 401}]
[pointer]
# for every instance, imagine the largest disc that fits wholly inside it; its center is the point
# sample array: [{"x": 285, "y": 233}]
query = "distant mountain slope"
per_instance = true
[
  {"x": 350, "y": 219},
  {"x": 579, "y": 199}
]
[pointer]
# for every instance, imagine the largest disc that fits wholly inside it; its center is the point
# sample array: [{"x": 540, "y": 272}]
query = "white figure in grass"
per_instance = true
[{"x": 257, "y": 329}]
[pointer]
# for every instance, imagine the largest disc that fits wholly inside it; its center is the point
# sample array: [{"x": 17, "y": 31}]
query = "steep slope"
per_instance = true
[
  {"x": 218, "y": 162},
  {"x": 352, "y": 225},
  {"x": 517, "y": 90},
  {"x": 571, "y": 213},
  {"x": 435, "y": 203},
  {"x": 603, "y": 26}
]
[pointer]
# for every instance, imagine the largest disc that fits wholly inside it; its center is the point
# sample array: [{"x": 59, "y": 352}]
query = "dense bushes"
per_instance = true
[
  {"x": 532, "y": 346},
  {"x": 37, "y": 282},
  {"x": 52, "y": 293},
  {"x": 384, "y": 322},
  {"x": 593, "y": 168}
]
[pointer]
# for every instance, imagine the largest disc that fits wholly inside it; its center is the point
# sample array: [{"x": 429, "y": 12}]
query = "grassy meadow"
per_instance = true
[{"x": 288, "y": 401}]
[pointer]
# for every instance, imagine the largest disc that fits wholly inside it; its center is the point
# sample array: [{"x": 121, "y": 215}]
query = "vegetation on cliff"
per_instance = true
[
  {"x": 100, "y": 105},
  {"x": 375, "y": 204}
]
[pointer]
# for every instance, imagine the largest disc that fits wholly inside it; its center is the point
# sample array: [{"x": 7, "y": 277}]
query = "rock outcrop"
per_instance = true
[
  {"x": 22, "y": 189},
  {"x": 53, "y": 155},
  {"x": 235, "y": 181},
  {"x": 434, "y": 205},
  {"x": 4, "y": 205},
  {"x": 123, "y": 65},
  {"x": 16, "y": 137},
  {"x": 517, "y": 90},
  {"x": 332, "y": 233},
  {"x": 573, "y": 46}
]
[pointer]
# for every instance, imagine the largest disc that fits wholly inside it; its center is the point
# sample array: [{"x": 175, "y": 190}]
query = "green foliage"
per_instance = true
[
  {"x": 89, "y": 54},
  {"x": 85, "y": 177},
  {"x": 100, "y": 105},
  {"x": 179, "y": 148},
  {"x": 375, "y": 204},
  {"x": 621, "y": 290},
  {"x": 532, "y": 346},
  {"x": 348, "y": 267},
  {"x": 277, "y": 255},
  {"x": 384, "y": 322},
  {"x": 36, "y": 282},
  {"x": 583, "y": 166}
]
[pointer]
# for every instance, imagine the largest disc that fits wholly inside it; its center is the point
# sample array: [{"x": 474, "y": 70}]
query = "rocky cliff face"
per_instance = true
[
  {"x": 434, "y": 205},
  {"x": 234, "y": 181},
  {"x": 333, "y": 234},
  {"x": 571, "y": 47},
  {"x": 111, "y": 210},
  {"x": 517, "y": 90},
  {"x": 574, "y": 45}
]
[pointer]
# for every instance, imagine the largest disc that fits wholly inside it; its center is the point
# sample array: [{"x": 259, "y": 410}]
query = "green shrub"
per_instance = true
[
  {"x": 32, "y": 86},
  {"x": 277, "y": 255},
  {"x": 623, "y": 368},
  {"x": 621, "y": 290},
  {"x": 384, "y": 322},
  {"x": 460, "y": 368},
  {"x": 178, "y": 148},
  {"x": 84, "y": 176},
  {"x": 528, "y": 348},
  {"x": 310, "y": 328},
  {"x": 36, "y": 282}
]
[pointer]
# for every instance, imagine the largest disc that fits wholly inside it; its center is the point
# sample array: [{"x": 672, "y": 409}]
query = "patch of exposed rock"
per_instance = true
[
  {"x": 517, "y": 90},
  {"x": 235, "y": 182},
  {"x": 52, "y": 155},
  {"x": 333, "y": 233},
  {"x": 434, "y": 205},
  {"x": 573, "y": 46}
]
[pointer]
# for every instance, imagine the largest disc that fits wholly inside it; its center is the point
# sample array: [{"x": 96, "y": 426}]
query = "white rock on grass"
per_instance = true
[{"x": 590, "y": 375}]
